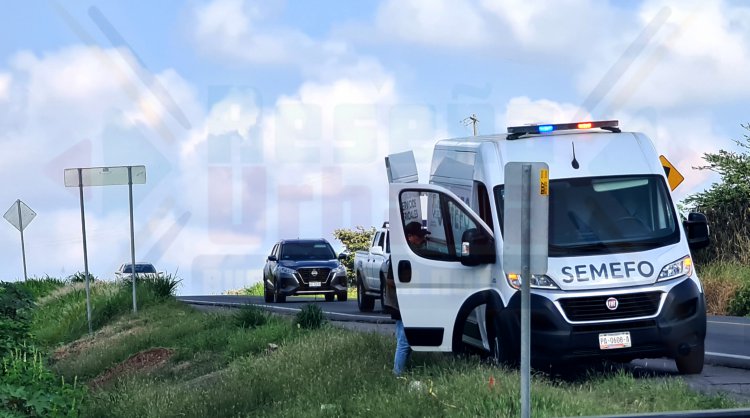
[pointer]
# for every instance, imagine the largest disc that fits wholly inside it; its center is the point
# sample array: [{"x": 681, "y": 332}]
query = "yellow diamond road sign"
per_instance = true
[{"x": 673, "y": 176}]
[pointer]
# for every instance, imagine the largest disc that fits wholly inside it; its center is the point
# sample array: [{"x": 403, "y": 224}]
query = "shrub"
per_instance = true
[
  {"x": 30, "y": 389},
  {"x": 254, "y": 290},
  {"x": 310, "y": 317},
  {"x": 740, "y": 304},
  {"x": 161, "y": 286},
  {"x": 250, "y": 317},
  {"x": 164, "y": 286},
  {"x": 40, "y": 287},
  {"x": 80, "y": 277},
  {"x": 15, "y": 315},
  {"x": 354, "y": 240}
]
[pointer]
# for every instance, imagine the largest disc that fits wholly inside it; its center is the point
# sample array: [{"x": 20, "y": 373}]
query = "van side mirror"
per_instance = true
[
  {"x": 477, "y": 247},
  {"x": 377, "y": 250},
  {"x": 272, "y": 258},
  {"x": 696, "y": 229}
]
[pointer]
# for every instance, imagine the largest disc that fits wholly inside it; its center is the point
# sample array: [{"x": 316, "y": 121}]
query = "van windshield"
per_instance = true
[{"x": 595, "y": 215}]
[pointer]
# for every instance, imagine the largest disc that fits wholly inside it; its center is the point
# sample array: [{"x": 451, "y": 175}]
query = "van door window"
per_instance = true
[
  {"x": 460, "y": 222},
  {"x": 438, "y": 236},
  {"x": 380, "y": 240},
  {"x": 483, "y": 203}
]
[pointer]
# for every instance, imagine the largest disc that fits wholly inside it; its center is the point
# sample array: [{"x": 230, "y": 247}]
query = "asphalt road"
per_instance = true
[{"x": 727, "y": 341}]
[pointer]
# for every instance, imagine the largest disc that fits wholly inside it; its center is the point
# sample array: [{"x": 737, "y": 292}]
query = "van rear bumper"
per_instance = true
[{"x": 679, "y": 327}]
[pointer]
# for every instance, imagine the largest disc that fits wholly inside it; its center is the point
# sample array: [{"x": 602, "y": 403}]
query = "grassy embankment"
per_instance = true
[
  {"x": 250, "y": 364},
  {"x": 727, "y": 288}
]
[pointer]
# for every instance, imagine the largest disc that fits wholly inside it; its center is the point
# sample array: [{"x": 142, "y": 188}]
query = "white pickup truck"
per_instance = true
[{"x": 367, "y": 268}]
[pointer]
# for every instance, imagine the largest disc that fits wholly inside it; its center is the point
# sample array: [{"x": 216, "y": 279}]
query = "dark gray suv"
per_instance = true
[{"x": 304, "y": 267}]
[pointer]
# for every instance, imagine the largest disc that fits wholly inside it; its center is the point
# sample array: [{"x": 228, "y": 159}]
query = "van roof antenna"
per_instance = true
[
  {"x": 574, "y": 163},
  {"x": 471, "y": 120}
]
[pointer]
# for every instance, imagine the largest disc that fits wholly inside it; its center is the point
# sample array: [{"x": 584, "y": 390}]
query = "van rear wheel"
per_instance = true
[{"x": 692, "y": 363}]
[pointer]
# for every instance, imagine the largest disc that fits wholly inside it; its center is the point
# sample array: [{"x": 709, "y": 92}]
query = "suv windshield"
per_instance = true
[
  {"x": 139, "y": 268},
  {"x": 607, "y": 214},
  {"x": 307, "y": 251}
]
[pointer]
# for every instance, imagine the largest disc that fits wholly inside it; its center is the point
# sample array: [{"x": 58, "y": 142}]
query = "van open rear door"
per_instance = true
[{"x": 401, "y": 168}]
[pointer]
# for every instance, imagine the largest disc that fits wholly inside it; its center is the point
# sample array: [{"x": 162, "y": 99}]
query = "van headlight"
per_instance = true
[
  {"x": 538, "y": 281},
  {"x": 680, "y": 268}
]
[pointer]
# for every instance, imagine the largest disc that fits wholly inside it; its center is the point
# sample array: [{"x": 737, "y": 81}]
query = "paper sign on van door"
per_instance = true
[
  {"x": 674, "y": 178},
  {"x": 544, "y": 182}
]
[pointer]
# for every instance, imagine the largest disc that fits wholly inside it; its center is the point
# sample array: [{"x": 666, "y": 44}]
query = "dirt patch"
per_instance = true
[
  {"x": 101, "y": 337},
  {"x": 143, "y": 362}
]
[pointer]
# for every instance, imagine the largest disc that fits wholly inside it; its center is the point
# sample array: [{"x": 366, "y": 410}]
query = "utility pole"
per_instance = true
[{"x": 473, "y": 121}]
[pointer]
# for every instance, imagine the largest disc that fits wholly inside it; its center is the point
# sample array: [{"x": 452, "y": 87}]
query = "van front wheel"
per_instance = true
[
  {"x": 498, "y": 355},
  {"x": 692, "y": 363}
]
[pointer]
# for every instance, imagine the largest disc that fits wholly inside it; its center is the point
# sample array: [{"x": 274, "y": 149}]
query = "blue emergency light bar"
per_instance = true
[{"x": 515, "y": 132}]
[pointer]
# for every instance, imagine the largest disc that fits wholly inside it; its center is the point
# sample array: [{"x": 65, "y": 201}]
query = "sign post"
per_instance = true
[
  {"x": 106, "y": 176},
  {"x": 20, "y": 215},
  {"x": 526, "y": 226}
]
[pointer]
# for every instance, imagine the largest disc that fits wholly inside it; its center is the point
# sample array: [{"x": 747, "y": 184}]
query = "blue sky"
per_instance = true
[{"x": 263, "y": 120}]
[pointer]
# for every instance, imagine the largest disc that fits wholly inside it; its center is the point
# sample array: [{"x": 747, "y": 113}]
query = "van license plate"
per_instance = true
[
  {"x": 614, "y": 340},
  {"x": 314, "y": 284}
]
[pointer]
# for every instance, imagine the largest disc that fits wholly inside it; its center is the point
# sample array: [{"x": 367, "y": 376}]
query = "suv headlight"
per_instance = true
[
  {"x": 680, "y": 268},
  {"x": 285, "y": 270},
  {"x": 538, "y": 281},
  {"x": 340, "y": 270}
]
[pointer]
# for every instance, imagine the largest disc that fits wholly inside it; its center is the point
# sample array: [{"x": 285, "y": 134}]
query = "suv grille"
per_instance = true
[
  {"x": 594, "y": 308},
  {"x": 308, "y": 276}
]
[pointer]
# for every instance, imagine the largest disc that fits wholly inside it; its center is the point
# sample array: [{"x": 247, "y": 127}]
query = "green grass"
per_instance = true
[
  {"x": 223, "y": 368},
  {"x": 315, "y": 375},
  {"x": 41, "y": 286}
]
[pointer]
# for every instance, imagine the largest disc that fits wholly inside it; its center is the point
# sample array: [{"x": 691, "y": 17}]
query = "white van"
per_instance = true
[{"x": 620, "y": 284}]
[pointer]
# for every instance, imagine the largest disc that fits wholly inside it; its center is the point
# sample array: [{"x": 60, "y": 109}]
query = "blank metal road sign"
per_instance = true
[{"x": 27, "y": 215}]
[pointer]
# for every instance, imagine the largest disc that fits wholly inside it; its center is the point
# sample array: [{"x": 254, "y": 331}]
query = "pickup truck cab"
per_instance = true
[
  {"x": 368, "y": 266},
  {"x": 620, "y": 283}
]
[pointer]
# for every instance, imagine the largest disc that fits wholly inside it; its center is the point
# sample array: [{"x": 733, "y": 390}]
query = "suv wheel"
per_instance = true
[
  {"x": 342, "y": 296},
  {"x": 364, "y": 303},
  {"x": 279, "y": 298},
  {"x": 267, "y": 294},
  {"x": 329, "y": 297}
]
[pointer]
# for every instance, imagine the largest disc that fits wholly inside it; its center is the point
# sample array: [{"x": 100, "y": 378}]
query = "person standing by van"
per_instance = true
[{"x": 390, "y": 302}]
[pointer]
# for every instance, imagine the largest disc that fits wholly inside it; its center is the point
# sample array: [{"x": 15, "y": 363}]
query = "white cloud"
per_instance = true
[
  {"x": 698, "y": 56},
  {"x": 4, "y": 86},
  {"x": 457, "y": 24},
  {"x": 569, "y": 28},
  {"x": 238, "y": 31},
  {"x": 87, "y": 104},
  {"x": 523, "y": 111}
]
